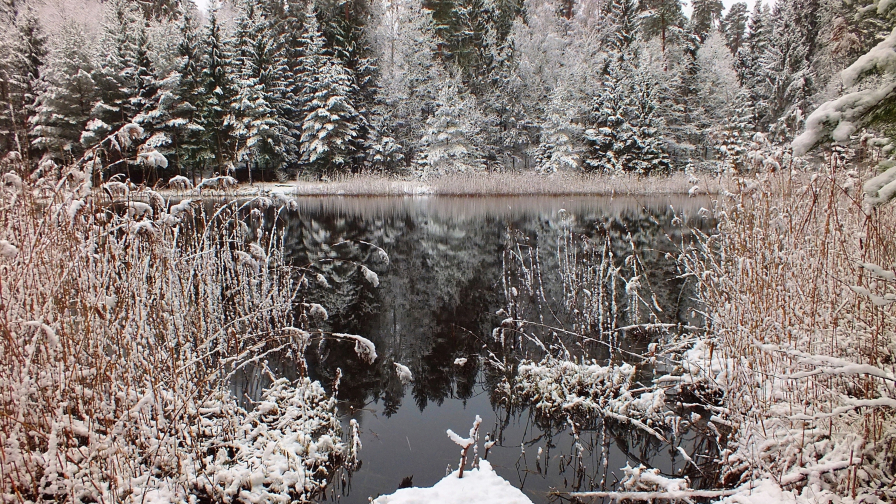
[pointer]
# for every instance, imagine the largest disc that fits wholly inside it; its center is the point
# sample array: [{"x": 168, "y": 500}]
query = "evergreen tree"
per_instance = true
[
  {"x": 734, "y": 26},
  {"x": 790, "y": 61},
  {"x": 115, "y": 75},
  {"x": 660, "y": 18},
  {"x": 331, "y": 124},
  {"x": 343, "y": 24},
  {"x": 263, "y": 134},
  {"x": 725, "y": 127},
  {"x": 464, "y": 33},
  {"x": 404, "y": 44},
  {"x": 449, "y": 142},
  {"x": 175, "y": 116},
  {"x": 706, "y": 16},
  {"x": 622, "y": 136},
  {"x": 66, "y": 94},
  {"x": 22, "y": 55},
  {"x": 217, "y": 94},
  {"x": 755, "y": 76}
]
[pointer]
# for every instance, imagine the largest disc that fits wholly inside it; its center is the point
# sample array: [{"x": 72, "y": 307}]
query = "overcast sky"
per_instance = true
[{"x": 687, "y": 9}]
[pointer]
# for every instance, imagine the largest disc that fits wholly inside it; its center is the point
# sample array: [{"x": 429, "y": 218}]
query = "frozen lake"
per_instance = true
[{"x": 457, "y": 269}]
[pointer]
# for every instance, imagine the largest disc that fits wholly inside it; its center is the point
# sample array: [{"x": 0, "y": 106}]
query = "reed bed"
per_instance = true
[
  {"x": 120, "y": 328},
  {"x": 506, "y": 184},
  {"x": 797, "y": 366}
]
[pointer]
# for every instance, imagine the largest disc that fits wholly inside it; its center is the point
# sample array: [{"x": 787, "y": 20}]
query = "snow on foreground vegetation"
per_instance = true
[
  {"x": 119, "y": 337},
  {"x": 478, "y": 486},
  {"x": 799, "y": 356}
]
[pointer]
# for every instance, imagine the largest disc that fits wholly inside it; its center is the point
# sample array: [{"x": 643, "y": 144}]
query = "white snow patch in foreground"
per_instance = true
[
  {"x": 478, "y": 486},
  {"x": 766, "y": 491}
]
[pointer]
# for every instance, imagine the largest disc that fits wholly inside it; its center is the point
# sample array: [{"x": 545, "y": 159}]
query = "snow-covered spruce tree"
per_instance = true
[
  {"x": 124, "y": 81},
  {"x": 622, "y": 136},
  {"x": 66, "y": 94},
  {"x": 538, "y": 42},
  {"x": 331, "y": 124},
  {"x": 790, "y": 59},
  {"x": 754, "y": 76},
  {"x": 343, "y": 24},
  {"x": 173, "y": 116},
  {"x": 871, "y": 104},
  {"x": 216, "y": 96},
  {"x": 23, "y": 52},
  {"x": 264, "y": 137},
  {"x": 448, "y": 144},
  {"x": 462, "y": 26},
  {"x": 722, "y": 100}
]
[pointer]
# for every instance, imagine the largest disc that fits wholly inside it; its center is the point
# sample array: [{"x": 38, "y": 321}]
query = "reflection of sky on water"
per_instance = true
[{"x": 439, "y": 299}]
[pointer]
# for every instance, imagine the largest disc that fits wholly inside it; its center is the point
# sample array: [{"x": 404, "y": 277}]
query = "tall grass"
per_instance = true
[
  {"x": 118, "y": 338},
  {"x": 802, "y": 353}
]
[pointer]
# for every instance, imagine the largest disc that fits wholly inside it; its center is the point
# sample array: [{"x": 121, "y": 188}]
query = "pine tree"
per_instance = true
[
  {"x": 660, "y": 18},
  {"x": 706, "y": 16},
  {"x": 734, "y": 26}
]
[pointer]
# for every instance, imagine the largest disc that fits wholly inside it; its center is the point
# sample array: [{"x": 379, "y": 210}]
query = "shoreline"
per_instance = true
[{"x": 479, "y": 185}]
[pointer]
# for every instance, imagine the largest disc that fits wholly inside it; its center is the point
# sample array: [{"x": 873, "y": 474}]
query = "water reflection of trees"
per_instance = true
[
  {"x": 448, "y": 284},
  {"x": 493, "y": 289}
]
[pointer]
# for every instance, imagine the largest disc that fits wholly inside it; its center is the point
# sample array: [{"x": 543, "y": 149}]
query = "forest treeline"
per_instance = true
[{"x": 291, "y": 87}]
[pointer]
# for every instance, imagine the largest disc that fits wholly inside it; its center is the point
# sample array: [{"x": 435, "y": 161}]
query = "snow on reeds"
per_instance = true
[
  {"x": 799, "y": 361},
  {"x": 119, "y": 333}
]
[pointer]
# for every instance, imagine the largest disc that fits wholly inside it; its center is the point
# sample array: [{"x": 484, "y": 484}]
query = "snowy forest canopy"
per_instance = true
[{"x": 427, "y": 86}]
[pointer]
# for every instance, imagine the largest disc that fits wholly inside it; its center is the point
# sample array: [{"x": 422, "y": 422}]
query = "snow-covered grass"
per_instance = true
[
  {"x": 798, "y": 364},
  {"x": 119, "y": 333}
]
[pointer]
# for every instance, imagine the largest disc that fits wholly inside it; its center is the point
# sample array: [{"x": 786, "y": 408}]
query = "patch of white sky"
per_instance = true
[{"x": 203, "y": 5}]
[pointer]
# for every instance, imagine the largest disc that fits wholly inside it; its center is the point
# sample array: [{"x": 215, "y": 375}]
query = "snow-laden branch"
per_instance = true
[
  {"x": 841, "y": 117},
  {"x": 365, "y": 348}
]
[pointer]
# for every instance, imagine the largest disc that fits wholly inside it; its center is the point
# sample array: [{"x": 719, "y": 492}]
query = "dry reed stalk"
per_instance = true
[
  {"x": 118, "y": 334},
  {"x": 800, "y": 354}
]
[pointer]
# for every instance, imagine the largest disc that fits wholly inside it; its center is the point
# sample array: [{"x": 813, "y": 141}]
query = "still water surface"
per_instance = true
[{"x": 457, "y": 268}]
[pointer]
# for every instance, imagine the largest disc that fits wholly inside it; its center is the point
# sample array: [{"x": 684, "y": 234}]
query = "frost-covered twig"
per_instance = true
[{"x": 465, "y": 443}]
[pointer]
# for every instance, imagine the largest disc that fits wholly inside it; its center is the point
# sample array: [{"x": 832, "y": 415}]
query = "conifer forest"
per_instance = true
[{"x": 286, "y": 88}]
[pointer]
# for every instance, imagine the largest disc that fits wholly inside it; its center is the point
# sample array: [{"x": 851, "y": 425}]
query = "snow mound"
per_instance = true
[{"x": 478, "y": 486}]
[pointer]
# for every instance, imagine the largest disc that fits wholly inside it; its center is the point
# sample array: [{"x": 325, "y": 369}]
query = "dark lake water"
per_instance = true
[{"x": 457, "y": 268}]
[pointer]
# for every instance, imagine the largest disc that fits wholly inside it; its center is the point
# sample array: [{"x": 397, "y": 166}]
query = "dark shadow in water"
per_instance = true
[{"x": 457, "y": 268}]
